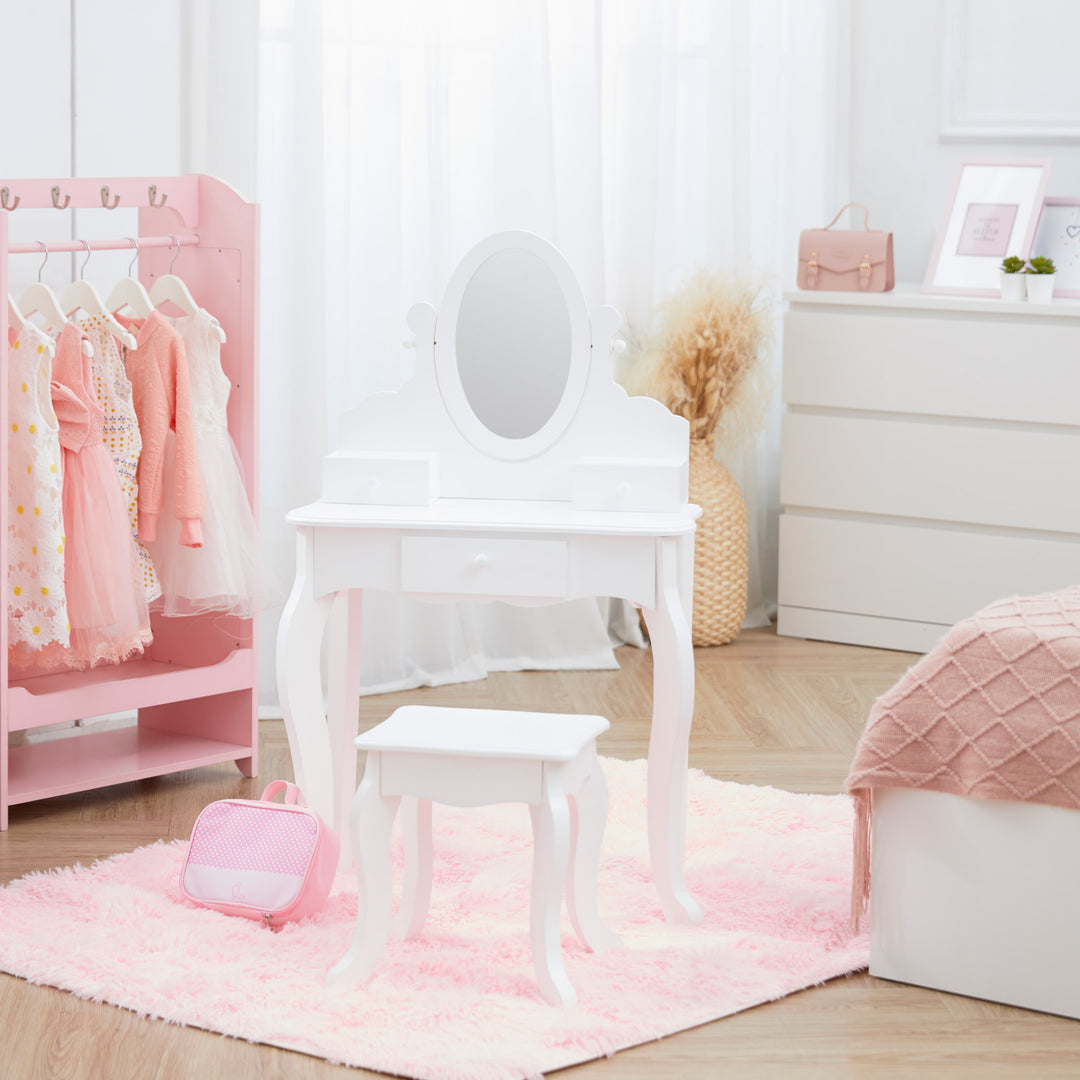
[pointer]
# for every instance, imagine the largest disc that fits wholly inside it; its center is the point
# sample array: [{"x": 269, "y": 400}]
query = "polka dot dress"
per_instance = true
[{"x": 37, "y": 607}]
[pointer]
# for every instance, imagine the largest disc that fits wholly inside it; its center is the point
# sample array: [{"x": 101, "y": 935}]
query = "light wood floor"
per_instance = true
[{"x": 769, "y": 710}]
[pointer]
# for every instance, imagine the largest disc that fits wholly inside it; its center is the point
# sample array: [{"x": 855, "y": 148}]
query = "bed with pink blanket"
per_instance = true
[{"x": 991, "y": 712}]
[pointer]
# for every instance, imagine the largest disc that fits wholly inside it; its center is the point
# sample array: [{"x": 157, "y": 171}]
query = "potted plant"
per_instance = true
[
  {"x": 1012, "y": 278},
  {"x": 1040, "y": 279}
]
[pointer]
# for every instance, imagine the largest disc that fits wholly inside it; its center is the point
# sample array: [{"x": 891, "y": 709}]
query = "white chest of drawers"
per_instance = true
[{"x": 930, "y": 461}]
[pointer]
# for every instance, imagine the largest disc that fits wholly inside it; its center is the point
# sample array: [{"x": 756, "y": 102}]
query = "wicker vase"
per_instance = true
[{"x": 720, "y": 569}]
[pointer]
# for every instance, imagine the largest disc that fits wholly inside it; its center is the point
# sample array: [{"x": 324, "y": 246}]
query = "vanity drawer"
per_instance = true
[
  {"x": 483, "y": 566},
  {"x": 383, "y": 479}
]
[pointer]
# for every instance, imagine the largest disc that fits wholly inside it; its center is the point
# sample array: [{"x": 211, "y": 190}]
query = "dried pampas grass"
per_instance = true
[{"x": 706, "y": 358}]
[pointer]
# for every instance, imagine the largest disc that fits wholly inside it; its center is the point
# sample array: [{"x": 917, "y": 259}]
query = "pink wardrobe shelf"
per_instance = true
[{"x": 98, "y": 759}]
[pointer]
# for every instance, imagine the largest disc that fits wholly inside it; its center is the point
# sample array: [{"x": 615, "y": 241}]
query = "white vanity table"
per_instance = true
[{"x": 511, "y": 467}]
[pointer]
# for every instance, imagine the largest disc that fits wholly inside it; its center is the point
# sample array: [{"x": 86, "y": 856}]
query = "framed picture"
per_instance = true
[
  {"x": 992, "y": 212},
  {"x": 1058, "y": 235}
]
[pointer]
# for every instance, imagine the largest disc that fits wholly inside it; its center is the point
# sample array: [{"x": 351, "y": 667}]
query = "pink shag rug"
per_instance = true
[{"x": 771, "y": 870}]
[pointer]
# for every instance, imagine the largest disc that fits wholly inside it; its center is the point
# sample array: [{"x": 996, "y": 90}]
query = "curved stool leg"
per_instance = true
[
  {"x": 551, "y": 844},
  {"x": 416, "y": 841},
  {"x": 372, "y": 819},
  {"x": 590, "y": 811}
]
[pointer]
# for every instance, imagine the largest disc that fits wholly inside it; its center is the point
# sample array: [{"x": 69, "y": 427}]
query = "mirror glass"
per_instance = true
[{"x": 513, "y": 343}]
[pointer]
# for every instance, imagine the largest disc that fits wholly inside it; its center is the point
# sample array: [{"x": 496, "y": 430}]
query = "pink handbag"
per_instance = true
[
  {"x": 846, "y": 260},
  {"x": 261, "y": 859}
]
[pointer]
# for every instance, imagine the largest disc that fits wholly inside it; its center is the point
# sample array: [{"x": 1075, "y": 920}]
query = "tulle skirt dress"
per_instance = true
[
  {"x": 222, "y": 575},
  {"x": 106, "y": 608}
]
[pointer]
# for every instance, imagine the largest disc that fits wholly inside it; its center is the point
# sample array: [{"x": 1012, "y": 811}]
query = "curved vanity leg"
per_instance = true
[
  {"x": 371, "y": 821},
  {"x": 416, "y": 841},
  {"x": 669, "y": 739},
  {"x": 551, "y": 844},
  {"x": 588, "y": 816},
  {"x": 343, "y": 709},
  {"x": 299, "y": 646}
]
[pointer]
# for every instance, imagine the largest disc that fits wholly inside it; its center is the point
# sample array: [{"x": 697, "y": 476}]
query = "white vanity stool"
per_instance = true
[{"x": 475, "y": 757}]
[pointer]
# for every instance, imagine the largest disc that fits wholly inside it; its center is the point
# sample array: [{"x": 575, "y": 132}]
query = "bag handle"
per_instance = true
[
  {"x": 293, "y": 795},
  {"x": 866, "y": 215}
]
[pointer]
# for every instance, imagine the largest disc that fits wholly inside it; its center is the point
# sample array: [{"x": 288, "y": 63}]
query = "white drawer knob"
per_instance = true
[
  {"x": 623, "y": 489},
  {"x": 372, "y": 483},
  {"x": 483, "y": 559}
]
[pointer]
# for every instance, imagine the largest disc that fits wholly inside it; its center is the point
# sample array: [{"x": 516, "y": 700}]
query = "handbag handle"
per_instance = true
[
  {"x": 293, "y": 795},
  {"x": 866, "y": 215}
]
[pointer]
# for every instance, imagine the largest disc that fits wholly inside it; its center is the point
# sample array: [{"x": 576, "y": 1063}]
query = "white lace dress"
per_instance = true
[
  {"x": 223, "y": 574},
  {"x": 37, "y": 606}
]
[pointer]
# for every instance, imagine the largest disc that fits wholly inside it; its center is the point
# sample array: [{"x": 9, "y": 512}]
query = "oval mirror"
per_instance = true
[{"x": 513, "y": 343}]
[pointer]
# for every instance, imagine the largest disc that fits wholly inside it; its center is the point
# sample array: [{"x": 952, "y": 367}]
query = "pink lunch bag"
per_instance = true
[{"x": 261, "y": 859}]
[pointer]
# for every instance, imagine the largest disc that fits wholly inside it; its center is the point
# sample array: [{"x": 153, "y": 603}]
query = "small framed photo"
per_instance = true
[
  {"x": 992, "y": 212},
  {"x": 1058, "y": 235}
]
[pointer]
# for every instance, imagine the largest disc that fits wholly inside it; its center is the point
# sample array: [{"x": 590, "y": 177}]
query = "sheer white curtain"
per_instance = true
[{"x": 644, "y": 139}]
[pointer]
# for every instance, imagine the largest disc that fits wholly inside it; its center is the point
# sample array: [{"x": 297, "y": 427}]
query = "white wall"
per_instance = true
[
  {"x": 91, "y": 88},
  {"x": 901, "y": 167}
]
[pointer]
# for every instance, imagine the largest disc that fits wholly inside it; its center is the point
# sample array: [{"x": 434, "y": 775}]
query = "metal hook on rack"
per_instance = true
[
  {"x": 5, "y": 194},
  {"x": 56, "y": 198},
  {"x": 153, "y": 197},
  {"x": 82, "y": 269},
  {"x": 131, "y": 265},
  {"x": 173, "y": 259},
  {"x": 105, "y": 198},
  {"x": 41, "y": 268}
]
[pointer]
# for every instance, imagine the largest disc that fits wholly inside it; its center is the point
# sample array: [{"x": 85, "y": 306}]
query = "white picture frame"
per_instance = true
[
  {"x": 992, "y": 212},
  {"x": 1058, "y": 236}
]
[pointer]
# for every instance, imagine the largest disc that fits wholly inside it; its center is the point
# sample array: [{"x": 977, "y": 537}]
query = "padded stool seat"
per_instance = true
[{"x": 475, "y": 757}]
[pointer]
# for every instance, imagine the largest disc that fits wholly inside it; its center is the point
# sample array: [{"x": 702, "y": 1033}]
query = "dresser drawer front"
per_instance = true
[
  {"x": 913, "y": 573},
  {"x": 942, "y": 472},
  {"x": 483, "y": 566},
  {"x": 980, "y": 367}
]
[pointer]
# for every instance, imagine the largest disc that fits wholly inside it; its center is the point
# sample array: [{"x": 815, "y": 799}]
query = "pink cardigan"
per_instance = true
[{"x": 160, "y": 391}]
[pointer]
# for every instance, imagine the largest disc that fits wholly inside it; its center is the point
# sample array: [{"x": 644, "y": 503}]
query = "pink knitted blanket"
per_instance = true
[{"x": 991, "y": 712}]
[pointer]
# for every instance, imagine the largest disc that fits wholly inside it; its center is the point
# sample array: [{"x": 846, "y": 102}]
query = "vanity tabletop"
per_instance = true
[{"x": 497, "y": 515}]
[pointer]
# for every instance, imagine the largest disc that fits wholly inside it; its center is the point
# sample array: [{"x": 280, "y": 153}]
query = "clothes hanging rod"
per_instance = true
[{"x": 122, "y": 243}]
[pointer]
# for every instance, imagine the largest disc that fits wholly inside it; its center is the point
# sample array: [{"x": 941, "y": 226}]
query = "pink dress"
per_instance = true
[{"x": 106, "y": 604}]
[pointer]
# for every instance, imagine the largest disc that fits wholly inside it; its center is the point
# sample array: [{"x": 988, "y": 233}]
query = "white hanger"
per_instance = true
[
  {"x": 16, "y": 320},
  {"x": 170, "y": 287},
  {"x": 39, "y": 299},
  {"x": 129, "y": 292},
  {"x": 81, "y": 294}
]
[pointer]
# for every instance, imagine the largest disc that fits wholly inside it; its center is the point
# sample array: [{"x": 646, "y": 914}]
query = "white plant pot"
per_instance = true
[
  {"x": 1040, "y": 288},
  {"x": 1012, "y": 286}
]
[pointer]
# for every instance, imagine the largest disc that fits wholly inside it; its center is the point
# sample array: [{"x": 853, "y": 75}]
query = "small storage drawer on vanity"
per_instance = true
[
  {"x": 930, "y": 461},
  {"x": 479, "y": 566}
]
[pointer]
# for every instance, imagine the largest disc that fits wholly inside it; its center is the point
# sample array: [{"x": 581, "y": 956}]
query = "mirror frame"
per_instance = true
[{"x": 448, "y": 377}]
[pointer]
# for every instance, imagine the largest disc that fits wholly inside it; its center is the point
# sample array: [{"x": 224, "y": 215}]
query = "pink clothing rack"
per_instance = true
[{"x": 195, "y": 689}]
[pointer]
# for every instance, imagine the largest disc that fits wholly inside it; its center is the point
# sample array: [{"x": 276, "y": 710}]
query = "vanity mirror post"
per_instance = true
[{"x": 510, "y": 467}]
